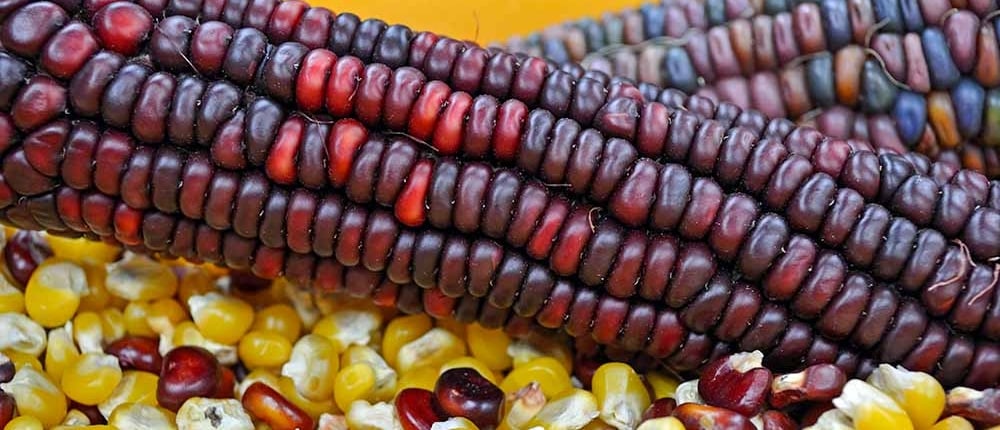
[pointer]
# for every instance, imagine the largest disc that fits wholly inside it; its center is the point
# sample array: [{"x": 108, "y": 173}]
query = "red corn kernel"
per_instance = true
[
  {"x": 448, "y": 133},
  {"x": 27, "y": 28},
  {"x": 23, "y": 253},
  {"x": 415, "y": 408},
  {"x": 463, "y": 392},
  {"x": 281, "y": 166},
  {"x": 346, "y": 136},
  {"x": 425, "y": 111},
  {"x": 410, "y": 207},
  {"x": 40, "y": 101},
  {"x": 737, "y": 382},
  {"x": 122, "y": 27},
  {"x": 266, "y": 404},
  {"x": 660, "y": 408},
  {"x": 817, "y": 383},
  {"x": 136, "y": 352},
  {"x": 311, "y": 84},
  {"x": 128, "y": 225},
  {"x": 6, "y": 408},
  {"x": 7, "y": 368},
  {"x": 188, "y": 371},
  {"x": 693, "y": 415},
  {"x": 507, "y": 134},
  {"x": 777, "y": 420},
  {"x": 342, "y": 86},
  {"x": 68, "y": 50}
]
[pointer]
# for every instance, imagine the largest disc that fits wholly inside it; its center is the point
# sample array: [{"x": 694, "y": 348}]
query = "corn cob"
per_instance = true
[{"x": 111, "y": 184}]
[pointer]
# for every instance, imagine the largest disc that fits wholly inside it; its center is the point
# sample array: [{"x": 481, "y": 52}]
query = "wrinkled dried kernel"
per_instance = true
[
  {"x": 401, "y": 331},
  {"x": 60, "y": 353},
  {"x": 348, "y": 327},
  {"x": 21, "y": 334},
  {"x": 621, "y": 395},
  {"x": 36, "y": 395},
  {"x": 571, "y": 410},
  {"x": 137, "y": 277},
  {"x": 313, "y": 366},
  {"x": 140, "y": 415},
  {"x": 202, "y": 413},
  {"x": 386, "y": 378},
  {"x": 136, "y": 387},
  {"x": 433, "y": 348}
]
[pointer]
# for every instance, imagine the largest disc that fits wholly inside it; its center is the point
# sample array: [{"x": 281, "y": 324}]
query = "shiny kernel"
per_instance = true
[
  {"x": 135, "y": 315},
  {"x": 422, "y": 377},
  {"x": 522, "y": 352},
  {"x": 169, "y": 310},
  {"x": 313, "y": 365},
  {"x": 663, "y": 385},
  {"x": 346, "y": 327},
  {"x": 871, "y": 409},
  {"x": 433, "y": 348},
  {"x": 199, "y": 413},
  {"x": 21, "y": 334},
  {"x": 220, "y": 318},
  {"x": 135, "y": 387},
  {"x": 11, "y": 298},
  {"x": 522, "y": 406},
  {"x": 385, "y": 376},
  {"x": 280, "y": 319},
  {"x": 266, "y": 376},
  {"x": 663, "y": 423},
  {"x": 472, "y": 363},
  {"x": 24, "y": 422},
  {"x": 142, "y": 416},
  {"x": 112, "y": 325},
  {"x": 286, "y": 386},
  {"x": 354, "y": 382},
  {"x": 572, "y": 410},
  {"x": 365, "y": 416},
  {"x": 550, "y": 375},
  {"x": 75, "y": 418},
  {"x": 489, "y": 346},
  {"x": 21, "y": 360},
  {"x": 83, "y": 251},
  {"x": 264, "y": 349},
  {"x": 620, "y": 394},
  {"x": 137, "y": 277},
  {"x": 403, "y": 330},
  {"x": 953, "y": 423},
  {"x": 60, "y": 353},
  {"x": 919, "y": 394},
  {"x": 36, "y": 395},
  {"x": 88, "y": 332},
  {"x": 92, "y": 378}
]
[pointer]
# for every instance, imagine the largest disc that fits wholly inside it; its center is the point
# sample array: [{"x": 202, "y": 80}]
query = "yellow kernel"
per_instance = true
[
  {"x": 136, "y": 387},
  {"x": 186, "y": 333},
  {"x": 472, "y": 363},
  {"x": 550, "y": 375},
  {"x": 75, "y": 418},
  {"x": 522, "y": 352},
  {"x": 92, "y": 378},
  {"x": 21, "y": 359},
  {"x": 88, "y": 332},
  {"x": 83, "y": 251},
  {"x": 455, "y": 423},
  {"x": 621, "y": 395},
  {"x": 53, "y": 293},
  {"x": 662, "y": 423},
  {"x": 433, "y": 348},
  {"x": 36, "y": 395},
  {"x": 313, "y": 365},
  {"x": 112, "y": 325},
  {"x": 280, "y": 319},
  {"x": 571, "y": 410},
  {"x": 11, "y": 298},
  {"x": 60, "y": 353},
  {"x": 135, "y": 315},
  {"x": 489, "y": 346},
  {"x": 953, "y": 423},
  {"x": 167, "y": 309},
  {"x": 354, "y": 382},
  {"x": 919, "y": 394},
  {"x": 99, "y": 297},
  {"x": 220, "y": 318},
  {"x": 21, "y": 334},
  {"x": 346, "y": 327},
  {"x": 24, "y": 422},
  {"x": 142, "y": 416},
  {"x": 400, "y": 331},
  {"x": 422, "y": 377},
  {"x": 266, "y": 376},
  {"x": 522, "y": 406},
  {"x": 366, "y": 416},
  {"x": 871, "y": 409},
  {"x": 264, "y": 349},
  {"x": 286, "y": 386},
  {"x": 663, "y": 385},
  {"x": 194, "y": 282},
  {"x": 138, "y": 277},
  {"x": 385, "y": 376}
]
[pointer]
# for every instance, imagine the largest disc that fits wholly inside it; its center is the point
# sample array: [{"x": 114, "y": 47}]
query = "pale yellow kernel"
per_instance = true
[
  {"x": 21, "y": 334},
  {"x": 60, "y": 353},
  {"x": 142, "y": 416},
  {"x": 313, "y": 366},
  {"x": 36, "y": 395},
  {"x": 433, "y": 348},
  {"x": 135, "y": 387},
  {"x": 621, "y": 395},
  {"x": 138, "y": 277},
  {"x": 92, "y": 378},
  {"x": 403, "y": 330}
]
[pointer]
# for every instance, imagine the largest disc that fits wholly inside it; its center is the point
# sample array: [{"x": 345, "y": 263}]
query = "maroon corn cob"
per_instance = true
[{"x": 109, "y": 183}]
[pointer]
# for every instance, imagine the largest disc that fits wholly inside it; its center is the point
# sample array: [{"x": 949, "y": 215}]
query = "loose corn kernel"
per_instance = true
[
  {"x": 142, "y": 416},
  {"x": 663, "y": 385},
  {"x": 265, "y": 376},
  {"x": 456, "y": 328},
  {"x": 871, "y": 409},
  {"x": 919, "y": 394},
  {"x": 433, "y": 348},
  {"x": 83, "y": 251},
  {"x": 523, "y": 406},
  {"x": 280, "y": 319},
  {"x": 621, "y": 395},
  {"x": 522, "y": 351},
  {"x": 75, "y": 418},
  {"x": 264, "y": 349},
  {"x": 687, "y": 392},
  {"x": 385, "y": 376},
  {"x": 365, "y": 416},
  {"x": 489, "y": 346},
  {"x": 11, "y": 298},
  {"x": 21, "y": 334},
  {"x": 953, "y": 423},
  {"x": 455, "y": 423},
  {"x": 551, "y": 376},
  {"x": 220, "y": 318},
  {"x": 313, "y": 365},
  {"x": 572, "y": 410},
  {"x": 24, "y": 422},
  {"x": 663, "y": 423},
  {"x": 353, "y": 382},
  {"x": 53, "y": 293},
  {"x": 112, "y": 325},
  {"x": 92, "y": 378},
  {"x": 136, "y": 387},
  {"x": 36, "y": 395},
  {"x": 186, "y": 333},
  {"x": 98, "y": 297},
  {"x": 135, "y": 315},
  {"x": 21, "y": 360},
  {"x": 422, "y": 377},
  {"x": 138, "y": 277},
  {"x": 346, "y": 327},
  {"x": 193, "y": 282},
  {"x": 472, "y": 363},
  {"x": 169, "y": 310},
  {"x": 199, "y": 413},
  {"x": 301, "y": 299},
  {"x": 286, "y": 386},
  {"x": 60, "y": 353},
  {"x": 401, "y": 331},
  {"x": 88, "y": 332}
]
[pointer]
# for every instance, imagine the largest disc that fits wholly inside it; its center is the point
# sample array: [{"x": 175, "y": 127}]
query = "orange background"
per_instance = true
[{"x": 494, "y": 20}]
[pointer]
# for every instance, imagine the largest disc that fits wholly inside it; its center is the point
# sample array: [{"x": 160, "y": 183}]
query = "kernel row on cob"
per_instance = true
[{"x": 250, "y": 352}]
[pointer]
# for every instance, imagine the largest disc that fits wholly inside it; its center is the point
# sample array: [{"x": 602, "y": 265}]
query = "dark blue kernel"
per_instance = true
[
  {"x": 913, "y": 19},
  {"x": 910, "y": 113},
  {"x": 715, "y": 11},
  {"x": 555, "y": 50},
  {"x": 678, "y": 71},
  {"x": 878, "y": 92},
  {"x": 654, "y": 19},
  {"x": 969, "y": 100},
  {"x": 593, "y": 33},
  {"x": 819, "y": 75},
  {"x": 774, "y": 7},
  {"x": 888, "y": 11},
  {"x": 836, "y": 23},
  {"x": 943, "y": 72}
]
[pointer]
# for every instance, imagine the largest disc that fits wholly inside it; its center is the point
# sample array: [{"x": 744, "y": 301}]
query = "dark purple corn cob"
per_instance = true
[{"x": 223, "y": 160}]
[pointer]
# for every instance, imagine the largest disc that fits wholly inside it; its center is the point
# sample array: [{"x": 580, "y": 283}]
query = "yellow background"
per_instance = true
[{"x": 495, "y": 20}]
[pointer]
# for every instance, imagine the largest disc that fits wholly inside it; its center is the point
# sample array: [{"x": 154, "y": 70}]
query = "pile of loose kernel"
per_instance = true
[{"x": 94, "y": 337}]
